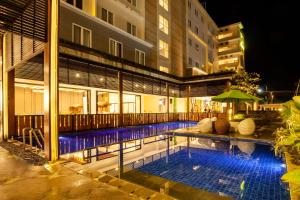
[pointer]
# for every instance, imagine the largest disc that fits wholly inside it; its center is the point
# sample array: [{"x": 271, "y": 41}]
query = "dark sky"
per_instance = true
[{"x": 270, "y": 29}]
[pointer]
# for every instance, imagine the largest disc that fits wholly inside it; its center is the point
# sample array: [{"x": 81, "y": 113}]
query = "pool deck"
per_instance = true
[
  {"x": 263, "y": 134},
  {"x": 22, "y": 180}
]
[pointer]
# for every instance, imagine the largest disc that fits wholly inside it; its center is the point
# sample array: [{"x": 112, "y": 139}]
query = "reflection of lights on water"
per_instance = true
[
  {"x": 283, "y": 165},
  {"x": 196, "y": 167}
]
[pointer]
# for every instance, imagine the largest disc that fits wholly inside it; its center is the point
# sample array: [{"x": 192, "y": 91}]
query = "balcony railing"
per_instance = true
[{"x": 74, "y": 123}]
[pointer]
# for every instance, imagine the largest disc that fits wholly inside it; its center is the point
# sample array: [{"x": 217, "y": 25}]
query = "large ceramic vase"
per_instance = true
[
  {"x": 246, "y": 127},
  {"x": 221, "y": 126},
  {"x": 205, "y": 125}
]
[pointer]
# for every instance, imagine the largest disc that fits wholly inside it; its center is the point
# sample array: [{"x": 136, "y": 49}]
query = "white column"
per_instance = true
[{"x": 93, "y": 101}]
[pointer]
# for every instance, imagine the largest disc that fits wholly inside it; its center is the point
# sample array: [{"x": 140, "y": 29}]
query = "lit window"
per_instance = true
[
  {"x": 163, "y": 49},
  {"x": 163, "y": 24},
  {"x": 131, "y": 29},
  {"x": 76, "y": 3},
  {"x": 115, "y": 48},
  {"x": 82, "y": 35},
  {"x": 164, "y": 4},
  {"x": 107, "y": 16},
  {"x": 164, "y": 69},
  {"x": 140, "y": 57}
]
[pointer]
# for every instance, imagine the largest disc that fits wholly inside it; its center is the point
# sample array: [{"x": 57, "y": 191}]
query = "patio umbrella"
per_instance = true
[{"x": 235, "y": 96}]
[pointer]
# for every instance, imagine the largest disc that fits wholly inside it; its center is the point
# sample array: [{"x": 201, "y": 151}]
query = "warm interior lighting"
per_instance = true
[
  {"x": 77, "y": 75},
  {"x": 101, "y": 79}
]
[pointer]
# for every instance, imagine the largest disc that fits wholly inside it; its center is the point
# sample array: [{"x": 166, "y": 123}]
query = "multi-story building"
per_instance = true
[
  {"x": 231, "y": 47},
  {"x": 107, "y": 57}
]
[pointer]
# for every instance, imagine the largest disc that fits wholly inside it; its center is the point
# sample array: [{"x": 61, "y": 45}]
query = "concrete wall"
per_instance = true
[{"x": 100, "y": 34}]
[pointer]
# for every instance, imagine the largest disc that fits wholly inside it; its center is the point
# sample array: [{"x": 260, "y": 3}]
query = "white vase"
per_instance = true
[{"x": 246, "y": 127}]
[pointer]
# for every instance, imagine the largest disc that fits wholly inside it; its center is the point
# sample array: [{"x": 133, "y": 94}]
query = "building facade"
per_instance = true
[
  {"x": 231, "y": 49},
  {"x": 118, "y": 57}
]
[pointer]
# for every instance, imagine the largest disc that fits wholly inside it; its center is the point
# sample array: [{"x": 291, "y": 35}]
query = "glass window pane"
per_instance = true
[
  {"x": 79, "y": 4},
  {"x": 119, "y": 50},
  {"x": 77, "y": 34},
  {"x": 86, "y": 38},
  {"x": 110, "y": 18},
  {"x": 112, "y": 47},
  {"x": 128, "y": 27},
  {"x": 133, "y": 30},
  {"x": 104, "y": 14}
]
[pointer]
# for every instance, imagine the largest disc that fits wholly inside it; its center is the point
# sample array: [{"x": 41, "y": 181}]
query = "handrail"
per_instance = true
[{"x": 23, "y": 134}]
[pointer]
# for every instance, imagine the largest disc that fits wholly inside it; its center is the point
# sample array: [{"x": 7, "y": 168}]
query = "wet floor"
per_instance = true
[{"x": 20, "y": 180}]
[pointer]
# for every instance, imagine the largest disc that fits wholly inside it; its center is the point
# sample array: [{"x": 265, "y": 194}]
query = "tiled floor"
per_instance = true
[
  {"x": 20, "y": 180},
  {"x": 228, "y": 171}
]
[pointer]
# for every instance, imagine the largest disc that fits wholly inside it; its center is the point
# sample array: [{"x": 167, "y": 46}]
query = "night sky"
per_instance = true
[{"x": 270, "y": 29}]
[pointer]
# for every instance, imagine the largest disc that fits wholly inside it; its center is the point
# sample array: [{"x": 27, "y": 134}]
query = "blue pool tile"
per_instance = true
[{"x": 223, "y": 172}]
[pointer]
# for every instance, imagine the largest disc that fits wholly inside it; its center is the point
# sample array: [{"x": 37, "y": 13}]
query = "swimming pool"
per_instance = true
[
  {"x": 241, "y": 170},
  {"x": 82, "y": 140}
]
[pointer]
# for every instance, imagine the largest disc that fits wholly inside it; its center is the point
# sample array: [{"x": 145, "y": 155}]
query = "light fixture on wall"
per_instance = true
[
  {"x": 144, "y": 86},
  {"x": 77, "y": 75},
  {"x": 136, "y": 85},
  {"x": 101, "y": 79}
]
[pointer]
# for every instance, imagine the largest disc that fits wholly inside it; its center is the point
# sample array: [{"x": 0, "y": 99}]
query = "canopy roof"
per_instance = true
[{"x": 235, "y": 95}]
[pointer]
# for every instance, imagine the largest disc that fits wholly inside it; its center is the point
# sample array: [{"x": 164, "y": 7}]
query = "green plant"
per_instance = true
[
  {"x": 244, "y": 81},
  {"x": 239, "y": 116},
  {"x": 288, "y": 138}
]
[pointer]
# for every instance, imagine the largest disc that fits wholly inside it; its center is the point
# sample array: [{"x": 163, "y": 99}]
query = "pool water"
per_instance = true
[
  {"x": 73, "y": 142},
  {"x": 241, "y": 170}
]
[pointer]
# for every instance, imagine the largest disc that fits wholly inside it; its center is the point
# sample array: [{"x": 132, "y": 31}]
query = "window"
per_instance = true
[
  {"x": 190, "y": 42},
  {"x": 107, "y": 16},
  {"x": 163, "y": 24},
  {"x": 189, "y": 5},
  {"x": 76, "y": 3},
  {"x": 115, "y": 48},
  {"x": 164, "y": 69},
  {"x": 82, "y": 35},
  {"x": 131, "y": 29},
  {"x": 190, "y": 61},
  {"x": 164, "y": 4},
  {"x": 139, "y": 57},
  {"x": 197, "y": 47},
  {"x": 196, "y": 12},
  {"x": 197, "y": 30},
  {"x": 197, "y": 64},
  {"x": 189, "y": 23},
  {"x": 163, "y": 49},
  {"x": 133, "y": 2}
]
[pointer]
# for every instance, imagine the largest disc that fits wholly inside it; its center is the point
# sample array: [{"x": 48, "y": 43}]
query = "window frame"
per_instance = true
[
  {"x": 131, "y": 29},
  {"x": 139, "y": 53},
  {"x": 116, "y": 41},
  {"x": 107, "y": 16},
  {"x": 161, "y": 21},
  {"x": 161, "y": 49},
  {"x": 164, "y": 4},
  {"x": 82, "y": 28}
]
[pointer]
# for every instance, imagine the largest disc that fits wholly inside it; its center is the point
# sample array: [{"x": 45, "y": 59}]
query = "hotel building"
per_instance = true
[
  {"x": 76, "y": 65},
  {"x": 231, "y": 50}
]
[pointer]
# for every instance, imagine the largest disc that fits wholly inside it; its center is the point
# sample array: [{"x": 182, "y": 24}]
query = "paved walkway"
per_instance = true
[{"x": 21, "y": 180}]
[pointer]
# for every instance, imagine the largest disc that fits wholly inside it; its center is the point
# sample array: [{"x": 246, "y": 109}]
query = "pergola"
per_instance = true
[{"x": 27, "y": 28}]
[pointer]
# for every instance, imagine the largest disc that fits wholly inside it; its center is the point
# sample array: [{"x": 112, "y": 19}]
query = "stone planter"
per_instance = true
[{"x": 221, "y": 126}]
